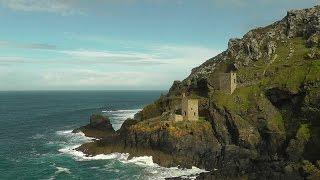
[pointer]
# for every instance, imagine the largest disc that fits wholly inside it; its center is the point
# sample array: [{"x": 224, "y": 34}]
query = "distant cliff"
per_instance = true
[{"x": 268, "y": 128}]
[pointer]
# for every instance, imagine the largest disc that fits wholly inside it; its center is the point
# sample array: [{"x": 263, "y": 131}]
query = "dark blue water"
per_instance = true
[{"x": 36, "y": 140}]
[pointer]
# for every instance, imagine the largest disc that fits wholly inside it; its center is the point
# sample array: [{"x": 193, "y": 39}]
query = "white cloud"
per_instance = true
[
  {"x": 52, "y": 6},
  {"x": 108, "y": 54},
  {"x": 93, "y": 79},
  {"x": 184, "y": 56},
  {"x": 12, "y": 44},
  {"x": 152, "y": 68},
  {"x": 67, "y": 7},
  {"x": 157, "y": 54}
]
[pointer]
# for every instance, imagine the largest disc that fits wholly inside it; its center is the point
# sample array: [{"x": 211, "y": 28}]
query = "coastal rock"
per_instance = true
[
  {"x": 100, "y": 122},
  {"x": 186, "y": 142},
  {"x": 99, "y": 127},
  {"x": 268, "y": 128}
]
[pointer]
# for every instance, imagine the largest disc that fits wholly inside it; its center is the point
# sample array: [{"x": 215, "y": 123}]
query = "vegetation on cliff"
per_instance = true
[{"x": 269, "y": 127}]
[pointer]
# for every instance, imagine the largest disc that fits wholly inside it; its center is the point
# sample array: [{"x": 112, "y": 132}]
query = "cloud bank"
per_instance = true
[
  {"x": 52, "y": 6},
  {"x": 155, "y": 67}
]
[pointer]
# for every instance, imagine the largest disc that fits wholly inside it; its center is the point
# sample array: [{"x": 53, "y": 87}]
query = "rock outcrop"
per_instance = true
[
  {"x": 269, "y": 128},
  {"x": 99, "y": 127}
]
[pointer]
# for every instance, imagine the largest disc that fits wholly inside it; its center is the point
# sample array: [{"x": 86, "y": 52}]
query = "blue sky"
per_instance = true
[{"x": 120, "y": 44}]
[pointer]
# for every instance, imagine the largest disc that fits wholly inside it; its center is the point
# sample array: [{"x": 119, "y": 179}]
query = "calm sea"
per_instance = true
[{"x": 36, "y": 140}]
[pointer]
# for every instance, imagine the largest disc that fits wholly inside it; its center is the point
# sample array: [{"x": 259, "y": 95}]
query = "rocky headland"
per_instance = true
[{"x": 268, "y": 128}]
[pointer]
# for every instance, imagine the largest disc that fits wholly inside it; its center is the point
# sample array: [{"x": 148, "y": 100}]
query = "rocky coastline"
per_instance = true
[{"x": 269, "y": 128}]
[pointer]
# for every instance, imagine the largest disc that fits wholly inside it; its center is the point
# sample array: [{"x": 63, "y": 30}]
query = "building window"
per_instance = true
[
  {"x": 194, "y": 114},
  {"x": 185, "y": 113}
]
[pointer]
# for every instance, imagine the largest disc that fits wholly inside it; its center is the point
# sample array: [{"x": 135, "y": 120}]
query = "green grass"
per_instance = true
[
  {"x": 288, "y": 73},
  {"x": 151, "y": 111},
  {"x": 285, "y": 73},
  {"x": 202, "y": 119},
  {"x": 303, "y": 132},
  {"x": 314, "y": 73},
  {"x": 241, "y": 100},
  {"x": 278, "y": 121}
]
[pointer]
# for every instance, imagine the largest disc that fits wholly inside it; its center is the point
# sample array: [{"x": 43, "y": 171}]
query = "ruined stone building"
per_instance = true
[
  {"x": 226, "y": 82},
  {"x": 189, "y": 108}
]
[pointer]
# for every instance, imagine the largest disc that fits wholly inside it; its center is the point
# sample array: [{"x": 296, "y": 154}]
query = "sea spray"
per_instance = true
[
  {"x": 151, "y": 169},
  {"x": 117, "y": 117}
]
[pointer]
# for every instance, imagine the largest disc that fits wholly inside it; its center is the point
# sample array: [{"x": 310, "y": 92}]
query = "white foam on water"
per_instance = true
[
  {"x": 154, "y": 171},
  {"x": 151, "y": 169},
  {"x": 74, "y": 138},
  {"x": 80, "y": 156},
  {"x": 37, "y": 136},
  {"x": 122, "y": 110},
  {"x": 142, "y": 161},
  {"x": 62, "y": 170},
  {"x": 117, "y": 117}
]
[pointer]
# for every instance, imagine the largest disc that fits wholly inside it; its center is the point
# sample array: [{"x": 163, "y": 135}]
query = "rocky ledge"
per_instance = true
[{"x": 170, "y": 143}]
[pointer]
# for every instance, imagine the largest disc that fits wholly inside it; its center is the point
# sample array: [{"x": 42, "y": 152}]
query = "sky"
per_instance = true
[{"x": 120, "y": 44}]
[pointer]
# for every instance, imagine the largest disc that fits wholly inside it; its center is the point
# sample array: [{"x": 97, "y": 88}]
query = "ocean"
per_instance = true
[{"x": 36, "y": 140}]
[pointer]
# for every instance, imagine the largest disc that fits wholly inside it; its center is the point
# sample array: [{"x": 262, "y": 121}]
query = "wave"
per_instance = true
[
  {"x": 151, "y": 170},
  {"x": 122, "y": 110},
  {"x": 71, "y": 137},
  {"x": 117, "y": 117},
  {"x": 62, "y": 170}
]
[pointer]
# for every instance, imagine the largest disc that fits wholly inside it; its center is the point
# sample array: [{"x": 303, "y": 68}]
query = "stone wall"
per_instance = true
[
  {"x": 190, "y": 109},
  {"x": 223, "y": 81},
  {"x": 233, "y": 84}
]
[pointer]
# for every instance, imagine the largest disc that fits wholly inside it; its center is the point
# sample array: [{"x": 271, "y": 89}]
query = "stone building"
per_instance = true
[
  {"x": 175, "y": 117},
  {"x": 223, "y": 81},
  {"x": 189, "y": 108}
]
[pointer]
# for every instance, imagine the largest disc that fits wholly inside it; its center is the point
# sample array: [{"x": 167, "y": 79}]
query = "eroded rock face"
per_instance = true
[
  {"x": 261, "y": 42},
  {"x": 265, "y": 129},
  {"x": 314, "y": 40},
  {"x": 303, "y": 22},
  {"x": 269, "y": 128},
  {"x": 187, "y": 141}
]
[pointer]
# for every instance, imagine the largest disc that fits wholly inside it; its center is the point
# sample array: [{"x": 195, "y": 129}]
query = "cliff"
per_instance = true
[{"x": 268, "y": 128}]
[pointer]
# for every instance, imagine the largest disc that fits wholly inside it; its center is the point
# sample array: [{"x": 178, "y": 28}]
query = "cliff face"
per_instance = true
[
  {"x": 269, "y": 127},
  {"x": 274, "y": 113}
]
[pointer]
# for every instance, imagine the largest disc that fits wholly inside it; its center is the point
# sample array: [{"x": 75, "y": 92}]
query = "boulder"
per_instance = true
[
  {"x": 314, "y": 40},
  {"x": 271, "y": 48},
  {"x": 99, "y": 127},
  {"x": 101, "y": 122}
]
